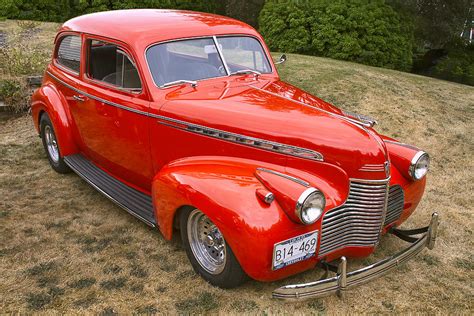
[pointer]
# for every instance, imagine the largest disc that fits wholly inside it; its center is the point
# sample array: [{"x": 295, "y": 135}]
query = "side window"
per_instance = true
[
  {"x": 69, "y": 52},
  {"x": 110, "y": 64}
]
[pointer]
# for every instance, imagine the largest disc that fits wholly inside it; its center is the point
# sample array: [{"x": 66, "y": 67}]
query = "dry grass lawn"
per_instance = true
[{"x": 66, "y": 248}]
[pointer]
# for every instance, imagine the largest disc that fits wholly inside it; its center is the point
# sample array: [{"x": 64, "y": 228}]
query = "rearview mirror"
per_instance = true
[{"x": 281, "y": 60}]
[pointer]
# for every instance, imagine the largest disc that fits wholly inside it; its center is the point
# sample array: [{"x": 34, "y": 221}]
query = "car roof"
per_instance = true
[{"x": 142, "y": 27}]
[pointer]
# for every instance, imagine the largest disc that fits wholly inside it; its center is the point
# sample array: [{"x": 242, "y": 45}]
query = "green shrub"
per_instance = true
[
  {"x": 62, "y": 10},
  {"x": 20, "y": 59},
  {"x": 8, "y": 8},
  {"x": 364, "y": 31},
  {"x": 458, "y": 65},
  {"x": 14, "y": 93}
]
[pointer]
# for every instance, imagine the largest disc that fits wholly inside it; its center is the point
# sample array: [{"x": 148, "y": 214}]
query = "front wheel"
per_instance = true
[{"x": 209, "y": 254}]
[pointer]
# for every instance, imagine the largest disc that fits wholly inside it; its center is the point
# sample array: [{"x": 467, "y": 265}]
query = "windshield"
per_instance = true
[{"x": 197, "y": 59}]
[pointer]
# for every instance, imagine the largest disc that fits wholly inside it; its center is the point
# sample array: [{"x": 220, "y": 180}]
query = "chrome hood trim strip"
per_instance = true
[
  {"x": 241, "y": 139},
  {"x": 286, "y": 176}
]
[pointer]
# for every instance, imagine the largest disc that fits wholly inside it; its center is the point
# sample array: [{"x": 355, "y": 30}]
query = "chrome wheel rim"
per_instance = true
[
  {"x": 206, "y": 242},
  {"x": 51, "y": 143}
]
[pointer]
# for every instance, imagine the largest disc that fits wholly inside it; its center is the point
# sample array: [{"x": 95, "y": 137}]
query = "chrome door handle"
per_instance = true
[{"x": 79, "y": 98}]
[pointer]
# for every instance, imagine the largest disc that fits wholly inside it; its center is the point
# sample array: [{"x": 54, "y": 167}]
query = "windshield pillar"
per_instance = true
[{"x": 219, "y": 51}]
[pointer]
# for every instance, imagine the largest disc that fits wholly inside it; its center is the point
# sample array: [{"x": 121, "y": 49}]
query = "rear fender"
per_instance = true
[
  {"x": 48, "y": 99},
  {"x": 224, "y": 189}
]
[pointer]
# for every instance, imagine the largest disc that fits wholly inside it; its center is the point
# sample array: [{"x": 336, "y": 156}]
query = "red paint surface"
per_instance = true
[{"x": 180, "y": 168}]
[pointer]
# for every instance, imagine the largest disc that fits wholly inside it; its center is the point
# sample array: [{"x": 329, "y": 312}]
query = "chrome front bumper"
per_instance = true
[{"x": 345, "y": 280}]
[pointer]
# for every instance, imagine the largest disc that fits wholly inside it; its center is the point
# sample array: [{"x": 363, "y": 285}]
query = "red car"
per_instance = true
[{"x": 182, "y": 120}]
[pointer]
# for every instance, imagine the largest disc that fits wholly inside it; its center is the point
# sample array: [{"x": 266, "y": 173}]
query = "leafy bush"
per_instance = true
[
  {"x": 21, "y": 59},
  {"x": 364, "y": 31},
  {"x": 458, "y": 65},
  {"x": 8, "y": 8},
  {"x": 14, "y": 93}
]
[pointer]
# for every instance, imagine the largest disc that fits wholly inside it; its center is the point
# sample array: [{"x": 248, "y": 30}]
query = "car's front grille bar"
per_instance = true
[
  {"x": 358, "y": 221},
  {"x": 395, "y": 204}
]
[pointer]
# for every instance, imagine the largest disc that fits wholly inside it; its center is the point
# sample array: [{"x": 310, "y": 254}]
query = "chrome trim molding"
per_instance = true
[
  {"x": 221, "y": 55},
  {"x": 345, "y": 280},
  {"x": 211, "y": 132},
  {"x": 294, "y": 179},
  {"x": 96, "y": 98},
  {"x": 373, "y": 167},
  {"x": 400, "y": 144},
  {"x": 361, "y": 117},
  {"x": 243, "y": 139}
]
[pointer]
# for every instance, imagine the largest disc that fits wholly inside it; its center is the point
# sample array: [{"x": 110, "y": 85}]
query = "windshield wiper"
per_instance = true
[
  {"x": 173, "y": 83},
  {"x": 246, "y": 72}
]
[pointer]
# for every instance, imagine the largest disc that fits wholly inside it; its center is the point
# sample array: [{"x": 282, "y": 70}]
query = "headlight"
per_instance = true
[
  {"x": 420, "y": 165},
  {"x": 310, "y": 206}
]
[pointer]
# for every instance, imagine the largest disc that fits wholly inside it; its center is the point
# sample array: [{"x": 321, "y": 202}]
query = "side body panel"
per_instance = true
[{"x": 115, "y": 138}]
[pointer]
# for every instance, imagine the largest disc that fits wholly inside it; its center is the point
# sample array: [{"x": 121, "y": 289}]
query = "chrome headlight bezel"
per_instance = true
[
  {"x": 302, "y": 205},
  {"x": 415, "y": 165}
]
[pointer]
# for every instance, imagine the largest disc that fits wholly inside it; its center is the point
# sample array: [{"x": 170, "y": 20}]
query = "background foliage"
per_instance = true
[
  {"x": 61, "y": 10},
  {"x": 364, "y": 31},
  {"x": 457, "y": 65},
  {"x": 421, "y": 36}
]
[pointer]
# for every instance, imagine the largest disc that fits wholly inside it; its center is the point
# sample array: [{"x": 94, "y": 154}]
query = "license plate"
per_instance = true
[{"x": 294, "y": 250}]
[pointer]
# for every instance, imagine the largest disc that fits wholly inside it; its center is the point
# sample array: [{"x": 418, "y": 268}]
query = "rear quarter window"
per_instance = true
[{"x": 69, "y": 52}]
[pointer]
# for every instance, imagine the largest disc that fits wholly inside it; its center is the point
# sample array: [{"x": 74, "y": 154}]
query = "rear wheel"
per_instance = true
[
  {"x": 50, "y": 145},
  {"x": 207, "y": 250}
]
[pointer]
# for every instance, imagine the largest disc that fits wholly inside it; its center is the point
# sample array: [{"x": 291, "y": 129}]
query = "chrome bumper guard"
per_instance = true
[{"x": 345, "y": 280}]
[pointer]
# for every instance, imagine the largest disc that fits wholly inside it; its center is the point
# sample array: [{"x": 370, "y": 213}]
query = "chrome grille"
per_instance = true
[
  {"x": 395, "y": 203},
  {"x": 358, "y": 221}
]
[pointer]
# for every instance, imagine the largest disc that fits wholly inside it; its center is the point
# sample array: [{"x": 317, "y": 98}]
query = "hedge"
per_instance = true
[
  {"x": 458, "y": 65},
  {"x": 62, "y": 10},
  {"x": 363, "y": 31}
]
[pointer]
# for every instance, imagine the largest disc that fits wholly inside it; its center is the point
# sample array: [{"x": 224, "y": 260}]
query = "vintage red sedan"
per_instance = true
[{"x": 182, "y": 120}]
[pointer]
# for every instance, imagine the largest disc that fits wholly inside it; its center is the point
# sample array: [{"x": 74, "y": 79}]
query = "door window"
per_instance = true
[
  {"x": 69, "y": 52},
  {"x": 110, "y": 64}
]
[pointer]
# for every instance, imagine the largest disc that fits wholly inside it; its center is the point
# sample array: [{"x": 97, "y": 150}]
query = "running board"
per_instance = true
[{"x": 133, "y": 201}]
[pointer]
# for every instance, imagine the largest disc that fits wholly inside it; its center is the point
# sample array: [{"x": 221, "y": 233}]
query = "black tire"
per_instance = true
[
  {"x": 57, "y": 164},
  {"x": 231, "y": 276}
]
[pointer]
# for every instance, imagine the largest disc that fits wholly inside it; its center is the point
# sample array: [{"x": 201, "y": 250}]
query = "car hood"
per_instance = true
[{"x": 279, "y": 112}]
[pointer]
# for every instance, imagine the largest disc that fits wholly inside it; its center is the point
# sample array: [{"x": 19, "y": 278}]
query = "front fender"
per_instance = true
[
  {"x": 48, "y": 99},
  {"x": 225, "y": 190}
]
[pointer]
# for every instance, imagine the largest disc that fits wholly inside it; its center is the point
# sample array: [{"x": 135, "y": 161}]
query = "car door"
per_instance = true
[{"x": 111, "y": 112}]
